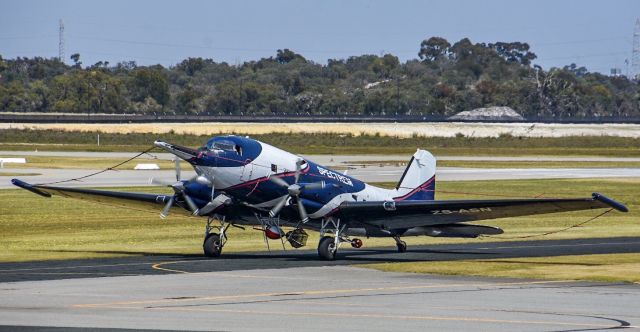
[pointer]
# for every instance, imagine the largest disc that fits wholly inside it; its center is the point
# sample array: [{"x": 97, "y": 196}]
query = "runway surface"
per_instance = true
[
  {"x": 126, "y": 178},
  {"x": 294, "y": 290},
  {"x": 364, "y": 172}
]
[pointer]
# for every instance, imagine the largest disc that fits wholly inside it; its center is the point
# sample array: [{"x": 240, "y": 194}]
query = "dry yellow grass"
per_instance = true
[
  {"x": 385, "y": 129},
  {"x": 607, "y": 267}
]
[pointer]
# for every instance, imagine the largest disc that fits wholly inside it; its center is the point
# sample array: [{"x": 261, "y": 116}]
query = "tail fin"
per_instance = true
[{"x": 418, "y": 182}]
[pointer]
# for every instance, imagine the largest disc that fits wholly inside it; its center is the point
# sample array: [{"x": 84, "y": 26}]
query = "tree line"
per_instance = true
[{"x": 445, "y": 79}]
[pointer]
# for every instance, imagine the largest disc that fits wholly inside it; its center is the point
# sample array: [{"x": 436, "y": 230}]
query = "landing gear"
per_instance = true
[
  {"x": 402, "y": 246},
  {"x": 212, "y": 245},
  {"x": 327, "y": 248},
  {"x": 214, "y": 242}
]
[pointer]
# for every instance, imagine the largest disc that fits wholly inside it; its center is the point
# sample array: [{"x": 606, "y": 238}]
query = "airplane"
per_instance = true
[{"x": 241, "y": 182}]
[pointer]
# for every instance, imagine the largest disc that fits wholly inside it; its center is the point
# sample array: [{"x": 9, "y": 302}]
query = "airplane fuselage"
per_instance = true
[{"x": 241, "y": 167}]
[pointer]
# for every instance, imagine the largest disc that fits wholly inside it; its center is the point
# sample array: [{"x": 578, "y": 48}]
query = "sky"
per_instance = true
[{"x": 594, "y": 34}]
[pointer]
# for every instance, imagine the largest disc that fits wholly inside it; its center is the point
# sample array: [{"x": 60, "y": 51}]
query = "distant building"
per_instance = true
[{"x": 616, "y": 72}]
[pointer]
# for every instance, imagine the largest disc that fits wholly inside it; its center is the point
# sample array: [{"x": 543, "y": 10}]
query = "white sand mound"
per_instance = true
[{"x": 495, "y": 113}]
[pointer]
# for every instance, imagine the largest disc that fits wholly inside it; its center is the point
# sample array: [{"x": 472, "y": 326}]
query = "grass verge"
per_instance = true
[{"x": 607, "y": 267}]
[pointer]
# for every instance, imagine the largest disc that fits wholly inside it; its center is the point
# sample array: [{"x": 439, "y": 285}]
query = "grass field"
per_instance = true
[
  {"x": 332, "y": 143},
  {"x": 609, "y": 267},
  {"x": 17, "y": 174},
  {"x": 35, "y": 228}
]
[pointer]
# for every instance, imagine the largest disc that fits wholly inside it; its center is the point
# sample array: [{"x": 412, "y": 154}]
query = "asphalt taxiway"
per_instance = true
[
  {"x": 152, "y": 263},
  {"x": 295, "y": 290},
  {"x": 124, "y": 178}
]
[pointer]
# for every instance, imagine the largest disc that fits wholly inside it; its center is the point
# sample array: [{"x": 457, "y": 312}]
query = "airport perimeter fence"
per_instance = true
[{"x": 137, "y": 118}]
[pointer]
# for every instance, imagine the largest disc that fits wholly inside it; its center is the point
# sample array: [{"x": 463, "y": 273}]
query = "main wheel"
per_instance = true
[
  {"x": 327, "y": 248},
  {"x": 402, "y": 246},
  {"x": 212, "y": 245}
]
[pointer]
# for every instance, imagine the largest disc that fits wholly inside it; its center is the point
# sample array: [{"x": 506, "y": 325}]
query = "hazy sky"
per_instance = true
[{"x": 595, "y": 34}]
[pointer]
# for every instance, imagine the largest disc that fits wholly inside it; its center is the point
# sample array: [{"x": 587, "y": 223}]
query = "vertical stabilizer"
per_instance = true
[{"x": 418, "y": 182}]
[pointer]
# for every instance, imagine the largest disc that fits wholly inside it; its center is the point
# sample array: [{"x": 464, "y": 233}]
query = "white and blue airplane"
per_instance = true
[{"x": 242, "y": 181}]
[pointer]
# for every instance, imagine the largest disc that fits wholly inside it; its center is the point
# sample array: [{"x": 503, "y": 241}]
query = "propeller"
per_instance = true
[
  {"x": 293, "y": 191},
  {"x": 179, "y": 188}
]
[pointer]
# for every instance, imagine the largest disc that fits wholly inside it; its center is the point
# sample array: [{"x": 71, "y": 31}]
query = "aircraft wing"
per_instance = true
[
  {"x": 136, "y": 201},
  {"x": 407, "y": 214}
]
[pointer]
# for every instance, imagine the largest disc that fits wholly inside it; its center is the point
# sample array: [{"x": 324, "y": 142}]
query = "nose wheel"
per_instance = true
[
  {"x": 212, "y": 245},
  {"x": 214, "y": 242}
]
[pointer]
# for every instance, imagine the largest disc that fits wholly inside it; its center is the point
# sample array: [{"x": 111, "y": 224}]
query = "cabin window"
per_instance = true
[{"x": 274, "y": 168}]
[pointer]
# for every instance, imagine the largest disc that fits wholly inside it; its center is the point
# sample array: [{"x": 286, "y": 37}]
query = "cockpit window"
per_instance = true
[{"x": 222, "y": 145}]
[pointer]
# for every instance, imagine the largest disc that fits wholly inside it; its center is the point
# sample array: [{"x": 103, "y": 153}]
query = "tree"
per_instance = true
[
  {"x": 147, "y": 82},
  {"x": 186, "y": 100},
  {"x": 514, "y": 52},
  {"x": 385, "y": 65},
  {"x": 433, "y": 49},
  {"x": 287, "y": 55},
  {"x": 192, "y": 65},
  {"x": 577, "y": 71},
  {"x": 76, "y": 60}
]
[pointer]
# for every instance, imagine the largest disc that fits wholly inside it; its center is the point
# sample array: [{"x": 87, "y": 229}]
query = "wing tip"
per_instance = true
[
  {"x": 29, "y": 187},
  {"x": 612, "y": 203}
]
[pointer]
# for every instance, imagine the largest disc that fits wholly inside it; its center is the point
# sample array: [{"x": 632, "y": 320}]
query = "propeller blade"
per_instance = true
[
  {"x": 192, "y": 206},
  {"x": 165, "y": 211},
  {"x": 178, "y": 169},
  {"x": 279, "y": 181},
  {"x": 276, "y": 209},
  {"x": 314, "y": 185},
  {"x": 160, "y": 182},
  {"x": 303, "y": 212},
  {"x": 298, "y": 169}
]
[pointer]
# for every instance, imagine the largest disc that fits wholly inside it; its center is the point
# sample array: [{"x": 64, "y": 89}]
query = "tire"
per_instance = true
[
  {"x": 327, "y": 248},
  {"x": 402, "y": 246},
  {"x": 212, "y": 246}
]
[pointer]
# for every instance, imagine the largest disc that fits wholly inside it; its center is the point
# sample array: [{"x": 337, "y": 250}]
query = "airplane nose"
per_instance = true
[{"x": 180, "y": 151}]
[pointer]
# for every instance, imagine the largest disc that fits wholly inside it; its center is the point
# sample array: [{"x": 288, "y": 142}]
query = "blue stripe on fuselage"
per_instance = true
[{"x": 262, "y": 190}]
